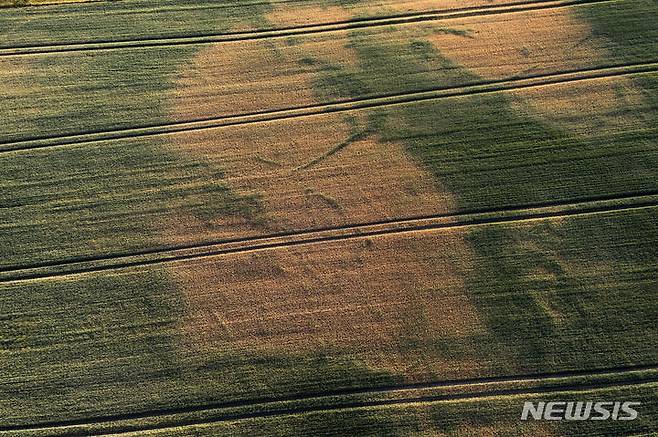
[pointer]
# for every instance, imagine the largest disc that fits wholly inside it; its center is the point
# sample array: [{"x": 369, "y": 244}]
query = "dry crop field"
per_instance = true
[{"x": 327, "y": 217}]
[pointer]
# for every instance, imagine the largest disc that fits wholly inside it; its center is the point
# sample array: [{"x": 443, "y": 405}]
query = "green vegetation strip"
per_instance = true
[
  {"x": 499, "y": 414},
  {"x": 569, "y": 385}
]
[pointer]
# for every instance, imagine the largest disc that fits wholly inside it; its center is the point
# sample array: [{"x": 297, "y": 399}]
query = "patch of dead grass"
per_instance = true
[
  {"x": 540, "y": 42},
  {"x": 417, "y": 6},
  {"x": 314, "y": 172},
  {"x": 369, "y": 295},
  {"x": 239, "y": 78},
  {"x": 366, "y": 180},
  {"x": 313, "y": 13},
  {"x": 586, "y": 108},
  {"x": 226, "y": 79},
  {"x": 509, "y": 45},
  {"x": 306, "y": 14}
]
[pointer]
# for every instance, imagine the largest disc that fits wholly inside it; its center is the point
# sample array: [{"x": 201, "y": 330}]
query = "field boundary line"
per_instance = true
[
  {"x": 347, "y": 105},
  {"x": 544, "y": 385},
  {"x": 301, "y": 30},
  {"x": 431, "y": 223}
]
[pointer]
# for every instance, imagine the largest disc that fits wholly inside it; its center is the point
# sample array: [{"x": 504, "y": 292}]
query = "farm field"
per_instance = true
[{"x": 327, "y": 217}]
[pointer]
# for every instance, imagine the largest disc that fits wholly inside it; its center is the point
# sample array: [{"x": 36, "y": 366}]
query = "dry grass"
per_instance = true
[
  {"x": 243, "y": 77},
  {"x": 247, "y": 77},
  {"x": 315, "y": 13},
  {"x": 304, "y": 14},
  {"x": 310, "y": 172},
  {"x": 573, "y": 107},
  {"x": 414, "y": 6},
  {"x": 366, "y": 294},
  {"x": 539, "y": 42},
  {"x": 508, "y": 45},
  {"x": 368, "y": 180}
]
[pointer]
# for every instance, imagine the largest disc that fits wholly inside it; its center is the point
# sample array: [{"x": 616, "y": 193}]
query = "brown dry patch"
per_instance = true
[
  {"x": 381, "y": 7},
  {"x": 502, "y": 46},
  {"x": 313, "y": 172},
  {"x": 300, "y": 15},
  {"x": 253, "y": 76},
  {"x": 434, "y": 5},
  {"x": 182, "y": 229},
  {"x": 330, "y": 49},
  {"x": 308, "y": 14},
  {"x": 540, "y": 42},
  {"x": 226, "y": 79},
  {"x": 366, "y": 295},
  {"x": 587, "y": 108},
  {"x": 367, "y": 180}
]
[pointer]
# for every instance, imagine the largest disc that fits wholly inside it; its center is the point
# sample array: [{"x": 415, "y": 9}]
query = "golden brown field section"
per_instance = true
[{"x": 327, "y": 217}]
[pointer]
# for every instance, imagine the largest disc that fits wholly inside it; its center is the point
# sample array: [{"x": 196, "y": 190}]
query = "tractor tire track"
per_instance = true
[
  {"x": 547, "y": 383},
  {"x": 347, "y": 105},
  {"x": 605, "y": 204},
  {"x": 283, "y": 32}
]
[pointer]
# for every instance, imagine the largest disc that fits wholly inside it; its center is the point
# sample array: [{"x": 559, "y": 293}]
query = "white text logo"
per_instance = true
[{"x": 588, "y": 410}]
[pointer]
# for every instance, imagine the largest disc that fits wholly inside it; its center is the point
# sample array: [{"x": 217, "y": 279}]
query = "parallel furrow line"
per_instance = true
[
  {"x": 407, "y": 401},
  {"x": 445, "y": 221},
  {"x": 364, "y": 103},
  {"x": 551, "y": 384},
  {"x": 347, "y": 227},
  {"x": 282, "y": 32}
]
